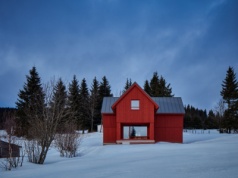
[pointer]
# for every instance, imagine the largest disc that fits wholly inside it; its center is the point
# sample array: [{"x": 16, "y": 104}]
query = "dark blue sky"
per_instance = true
[{"x": 190, "y": 43}]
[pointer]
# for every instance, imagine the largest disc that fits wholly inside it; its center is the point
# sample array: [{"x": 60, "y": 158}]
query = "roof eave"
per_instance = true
[{"x": 171, "y": 113}]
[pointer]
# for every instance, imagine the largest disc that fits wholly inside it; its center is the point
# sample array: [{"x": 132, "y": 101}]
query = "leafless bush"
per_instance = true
[
  {"x": 13, "y": 152},
  {"x": 12, "y": 162},
  {"x": 68, "y": 141},
  {"x": 33, "y": 150}
]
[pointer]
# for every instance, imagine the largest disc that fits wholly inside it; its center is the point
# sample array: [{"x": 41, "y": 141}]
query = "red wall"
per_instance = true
[
  {"x": 169, "y": 128},
  {"x": 144, "y": 115},
  {"x": 109, "y": 128}
]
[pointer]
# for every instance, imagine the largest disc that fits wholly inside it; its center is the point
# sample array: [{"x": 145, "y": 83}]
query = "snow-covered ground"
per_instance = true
[{"x": 201, "y": 155}]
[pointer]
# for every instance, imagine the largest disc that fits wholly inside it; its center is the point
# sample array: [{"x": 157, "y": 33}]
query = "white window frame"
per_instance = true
[{"x": 135, "y": 104}]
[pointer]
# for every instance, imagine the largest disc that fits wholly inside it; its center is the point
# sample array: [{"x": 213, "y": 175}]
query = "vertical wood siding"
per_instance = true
[
  {"x": 145, "y": 114},
  {"x": 125, "y": 114},
  {"x": 169, "y": 128},
  {"x": 109, "y": 128}
]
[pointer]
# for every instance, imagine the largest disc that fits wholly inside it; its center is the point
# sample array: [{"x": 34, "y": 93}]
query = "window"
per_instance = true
[
  {"x": 135, "y": 132},
  {"x": 135, "y": 104}
]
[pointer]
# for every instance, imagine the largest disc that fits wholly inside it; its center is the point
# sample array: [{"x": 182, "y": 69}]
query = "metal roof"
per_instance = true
[
  {"x": 167, "y": 105},
  {"x": 172, "y": 105},
  {"x": 107, "y": 104}
]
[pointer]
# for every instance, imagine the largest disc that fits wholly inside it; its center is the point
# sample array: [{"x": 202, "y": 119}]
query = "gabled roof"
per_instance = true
[
  {"x": 167, "y": 105},
  {"x": 135, "y": 85}
]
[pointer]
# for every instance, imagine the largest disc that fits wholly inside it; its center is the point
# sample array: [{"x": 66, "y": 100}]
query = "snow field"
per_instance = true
[{"x": 201, "y": 155}]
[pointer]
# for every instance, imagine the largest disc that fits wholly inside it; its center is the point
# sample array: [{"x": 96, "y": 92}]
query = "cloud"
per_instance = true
[{"x": 190, "y": 43}]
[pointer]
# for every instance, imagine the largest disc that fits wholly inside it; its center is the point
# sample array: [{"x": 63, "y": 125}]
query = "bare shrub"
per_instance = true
[
  {"x": 68, "y": 141},
  {"x": 14, "y": 154},
  {"x": 33, "y": 150},
  {"x": 12, "y": 162}
]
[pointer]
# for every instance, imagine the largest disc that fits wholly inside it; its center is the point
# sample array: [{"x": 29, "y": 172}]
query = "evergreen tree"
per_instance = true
[
  {"x": 196, "y": 122},
  {"x": 230, "y": 95},
  {"x": 31, "y": 100},
  {"x": 165, "y": 90},
  {"x": 211, "y": 122},
  {"x": 158, "y": 87},
  {"x": 154, "y": 86},
  {"x": 104, "y": 88},
  {"x": 3, "y": 113},
  {"x": 94, "y": 101},
  {"x": 133, "y": 132},
  {"x": 203, "y": 118},
  {"x": 59, "y": 95},
  {"x": 147, "y": 88},
  {"x": 59, "y": 100},
  {"x": 127, "y": 85},
  {"x": 84, "y": 106},
  {"x": 230, "y": 88},
  {"x": 73, "y": 101}
]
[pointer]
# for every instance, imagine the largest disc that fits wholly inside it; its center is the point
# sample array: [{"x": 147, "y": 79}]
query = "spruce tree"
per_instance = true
[
  {"x": 73, "y": 101},
  {"x": 133, "y": 132},
  {"x": 59, "y": 95},
  {"x": 230, "y": 88},
  {"x": 147, "y": 88},
  {"x": 211, "y": 122},
  {"x": 158, "y": 87},
  {"x": 93, "y": 102},
  {"x": 30, "y": 102},
  {"x": 155, "y": 85},
  {"x": 84, "y": 106},
  {"x": 229, "y": 94},
  {"x": 127, "y": 85},
  {"x": 104, "y": 88},
  {"x": 165, "y": 90},
  {"x": 59, "y": 101}
]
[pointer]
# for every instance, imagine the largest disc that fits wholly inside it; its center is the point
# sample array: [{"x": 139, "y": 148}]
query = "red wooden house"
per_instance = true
[{"x": 135, "y": 117}]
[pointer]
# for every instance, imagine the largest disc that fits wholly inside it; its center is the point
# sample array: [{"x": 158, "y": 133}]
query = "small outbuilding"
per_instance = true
[
  {"x": 135, "y": 117},
  {"x": 4, "y": 150}
]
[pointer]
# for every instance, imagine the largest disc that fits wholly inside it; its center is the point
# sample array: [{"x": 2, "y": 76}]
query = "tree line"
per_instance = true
[
  {"x": 195, "y": 118},
  {"x": 3, "y": 115},
  {"x": 77, "y": 104},
  {"x": 85, "y": 104}
]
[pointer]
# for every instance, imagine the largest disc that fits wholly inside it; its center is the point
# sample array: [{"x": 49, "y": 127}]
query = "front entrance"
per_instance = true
[{"x": 135, "y": 132}]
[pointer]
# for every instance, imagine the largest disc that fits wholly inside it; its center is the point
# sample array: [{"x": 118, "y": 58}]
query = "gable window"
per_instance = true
[{"x": 135, "y": 104}]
